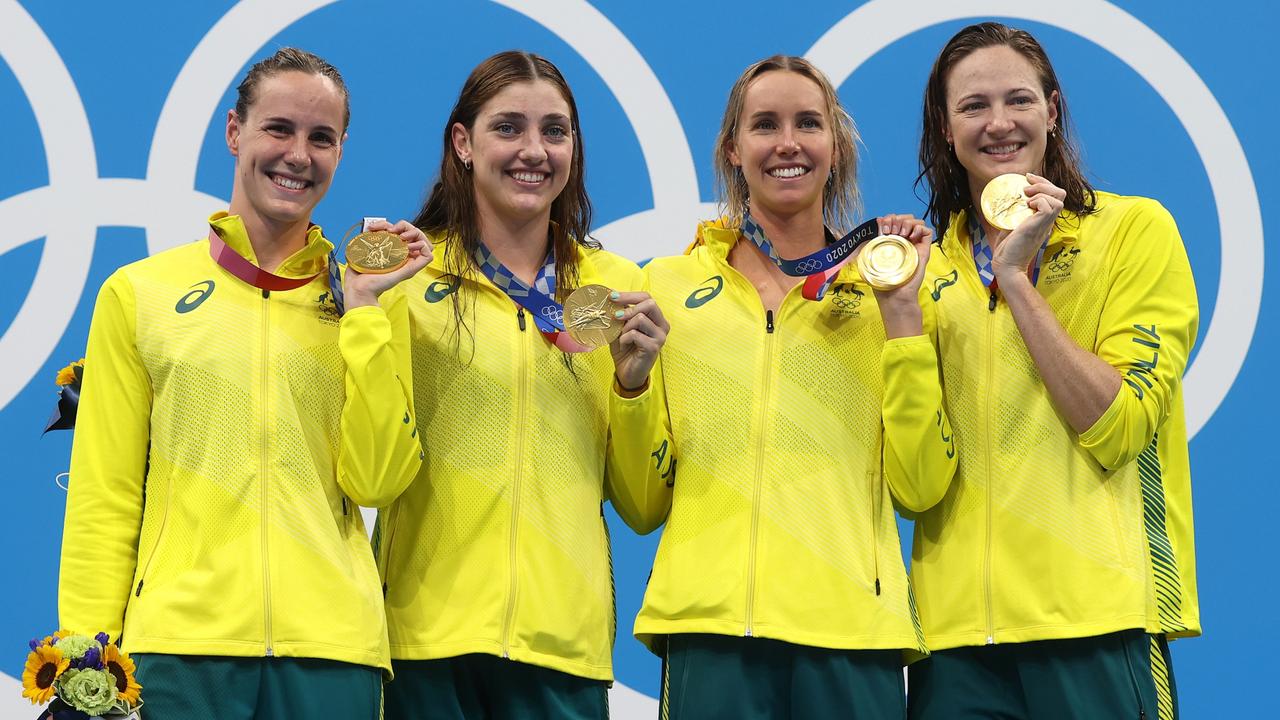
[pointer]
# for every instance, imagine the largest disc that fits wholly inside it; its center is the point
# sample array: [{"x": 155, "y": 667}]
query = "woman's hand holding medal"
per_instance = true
[
  {"x": 372, "y": 269},
  {"x": 900, "y": 305},
  {"x": 1017, "y": 248},
  {"x": 644, "y": 330}
]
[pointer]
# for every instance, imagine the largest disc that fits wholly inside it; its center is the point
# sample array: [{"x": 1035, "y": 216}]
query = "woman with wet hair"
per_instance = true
[
  {"x": 804, "y": 404},
  {"x": 233, "y": 416},
  {"x": 496, "y": 560},
  {"x": 1061, "y": 559}
]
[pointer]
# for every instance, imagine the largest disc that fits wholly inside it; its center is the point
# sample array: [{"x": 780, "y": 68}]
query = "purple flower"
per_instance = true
[
  {"x": 102, "y": 638},
  {"x": 92, "y": 660},
  {"x": 35, "y": 643}
]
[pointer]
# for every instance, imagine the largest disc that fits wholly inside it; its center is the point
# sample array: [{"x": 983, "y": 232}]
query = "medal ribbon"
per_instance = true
[
  {"x": 984, "y": 256},
  {"x": 234, "y": 263},
  {"x": 819, "y": 269},
  {"x": 539, "y": 300}
]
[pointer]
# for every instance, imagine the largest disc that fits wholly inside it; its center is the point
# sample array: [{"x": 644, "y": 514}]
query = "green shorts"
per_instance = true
[
  {"x": 714, "y": 677},
  {"x": 477, "y": 687},
  {"x": 1126, "y": 675},
  {"x": 201, "y": 687}
]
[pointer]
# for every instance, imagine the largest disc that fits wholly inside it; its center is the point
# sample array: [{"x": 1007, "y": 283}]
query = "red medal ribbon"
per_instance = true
[{"x": 234, "y": 263}]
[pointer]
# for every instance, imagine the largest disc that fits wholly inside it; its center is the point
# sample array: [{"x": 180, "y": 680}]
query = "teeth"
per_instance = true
[
  {"x": 285, "y": 182},
  {"x": 789, "y": 172},
  {"x": 529, "y": 177},
  {"x": 1002, "y": 149}
]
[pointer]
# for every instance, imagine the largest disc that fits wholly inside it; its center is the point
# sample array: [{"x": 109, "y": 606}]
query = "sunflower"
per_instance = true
[
  {"x": 120, "y": 665},
  {"x": 44, "y": 665},
  {"x": 67, "y": 375}
]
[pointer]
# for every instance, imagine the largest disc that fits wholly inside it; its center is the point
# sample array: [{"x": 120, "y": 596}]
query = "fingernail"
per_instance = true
[
  {"x": 614, "y": 295},
  {"x": 620, "y": 314}
]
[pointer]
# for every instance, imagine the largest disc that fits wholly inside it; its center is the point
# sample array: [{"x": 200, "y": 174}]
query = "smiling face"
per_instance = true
[
  {"x": 286, "y": 148},
  {"x": 783, "y": 143},
  {"x": 520, "y": 148},
  {"x": 998, "y": 118}
]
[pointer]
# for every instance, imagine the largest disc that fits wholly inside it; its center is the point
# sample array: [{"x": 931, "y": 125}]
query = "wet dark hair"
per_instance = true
[
  {"x": 289, "y": 59},
  {"x": 941, "y": 172}
]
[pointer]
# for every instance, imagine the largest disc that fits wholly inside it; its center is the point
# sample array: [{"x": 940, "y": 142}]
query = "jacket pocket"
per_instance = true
[{"x": 145, "y": 565}]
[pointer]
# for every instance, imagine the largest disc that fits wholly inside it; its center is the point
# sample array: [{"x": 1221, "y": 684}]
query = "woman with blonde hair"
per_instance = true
[{"x": 803, "y": 406}]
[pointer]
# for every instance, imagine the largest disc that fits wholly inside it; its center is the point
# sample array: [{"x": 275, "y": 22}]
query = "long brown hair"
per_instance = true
[
  {"x": 940, "y": 170},
  {"x": 840, "y": 196},
  {"x": 450, "y": 209}
]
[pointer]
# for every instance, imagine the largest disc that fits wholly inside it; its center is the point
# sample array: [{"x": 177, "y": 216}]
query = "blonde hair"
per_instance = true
[{"x": 840, "y": 198}]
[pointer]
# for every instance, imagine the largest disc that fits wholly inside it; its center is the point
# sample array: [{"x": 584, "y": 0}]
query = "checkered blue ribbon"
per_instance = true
[
  {"x": 984, "y": 256},
  {"x": 820, "y": 268},
  {"x": 539, "y": 300}
]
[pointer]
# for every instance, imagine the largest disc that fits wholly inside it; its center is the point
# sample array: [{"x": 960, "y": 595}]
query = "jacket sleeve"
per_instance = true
[
  {"x": 640, "y": 462},
  {"x": 1146, "y": 330},
  {"x": 379, "y": 452},
  {"x": 919, "y": 449},
  {"x": 640, "y": 468},
  {"x": 108, "y": 467}
]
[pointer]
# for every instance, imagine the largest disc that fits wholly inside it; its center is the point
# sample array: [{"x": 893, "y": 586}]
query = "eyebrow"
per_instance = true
[
  {"x": 772, "y": 113},
  {"x": 558, "y": 117},
  {"x": 291, "y": 123}
]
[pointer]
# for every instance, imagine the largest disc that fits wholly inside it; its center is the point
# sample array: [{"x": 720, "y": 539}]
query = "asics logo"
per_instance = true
[
  {"x": 706, "y": 293},
  {"x": 192, "y": 300},
  {"x": 440, "y": 289}
]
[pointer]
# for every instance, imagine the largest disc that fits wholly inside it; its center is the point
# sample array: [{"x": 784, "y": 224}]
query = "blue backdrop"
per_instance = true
[{"x": 111, "y": 147}]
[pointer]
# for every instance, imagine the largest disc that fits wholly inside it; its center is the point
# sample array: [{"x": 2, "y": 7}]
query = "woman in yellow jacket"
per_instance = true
[
  {"x": 801, "y": 410},
  {"x": 1061, "y": 559},
  {"x": 233, "y": 416},
  {"x": 496, "y": 559}
]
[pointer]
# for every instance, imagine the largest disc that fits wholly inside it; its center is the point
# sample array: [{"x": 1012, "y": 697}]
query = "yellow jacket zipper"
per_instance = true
[
  {"x": 523, "y": 371},
  {"x": 264, "y": 471},
  {"x": 756, "y": 489}
]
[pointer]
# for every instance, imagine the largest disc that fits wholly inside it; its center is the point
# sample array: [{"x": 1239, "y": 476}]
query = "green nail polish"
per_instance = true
[
  {"x": 620, "y": 314},
  {"x": 614, "y": 295}
]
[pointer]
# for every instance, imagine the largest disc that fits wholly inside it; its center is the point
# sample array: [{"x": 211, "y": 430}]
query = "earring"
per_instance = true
[{"x": 466, "y": 163}]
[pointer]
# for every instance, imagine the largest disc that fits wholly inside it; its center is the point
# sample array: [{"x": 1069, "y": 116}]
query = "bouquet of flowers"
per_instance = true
[
  {"x": 85, "y": 677},
  {"x": 68, "y": 381}
]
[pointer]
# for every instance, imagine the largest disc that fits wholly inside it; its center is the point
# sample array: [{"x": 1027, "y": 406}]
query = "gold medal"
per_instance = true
[
  {"x": 888, "y": 261},
  {"x": 1004, "y": 203},
  {"x": 377, "y": 252},
  {"x": 588, "y": 316}
]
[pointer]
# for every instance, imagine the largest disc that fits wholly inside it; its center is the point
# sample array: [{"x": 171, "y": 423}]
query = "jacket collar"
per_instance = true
[{"x": 308, "y": 261}]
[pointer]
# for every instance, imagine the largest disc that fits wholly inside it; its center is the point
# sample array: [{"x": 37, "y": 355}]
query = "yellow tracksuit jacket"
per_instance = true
[
  {"x": 224, "y": 437},
  {"x": 795, "y": 434},
  {"x": 1044, "y": 533},
  {"x": 500, "y": 545}
]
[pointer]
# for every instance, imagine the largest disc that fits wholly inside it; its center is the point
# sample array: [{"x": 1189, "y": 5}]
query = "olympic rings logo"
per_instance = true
[
  {"x": 809, "y": 266},
  {"x": 78, "y": 200}
]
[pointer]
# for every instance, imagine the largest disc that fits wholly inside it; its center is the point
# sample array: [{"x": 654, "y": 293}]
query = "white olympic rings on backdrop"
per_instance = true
[
  {"x": 76, "y": 202},
  {"x": 876, "y": 25}
]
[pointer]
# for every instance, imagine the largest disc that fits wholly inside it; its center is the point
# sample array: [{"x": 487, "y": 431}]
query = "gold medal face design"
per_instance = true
[
  {"x": 888, "y": 261},
  {"x": 1004, "y": 203},
  {"x": 588, "y": 316},
  {"x": 377, "y": 251}
]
